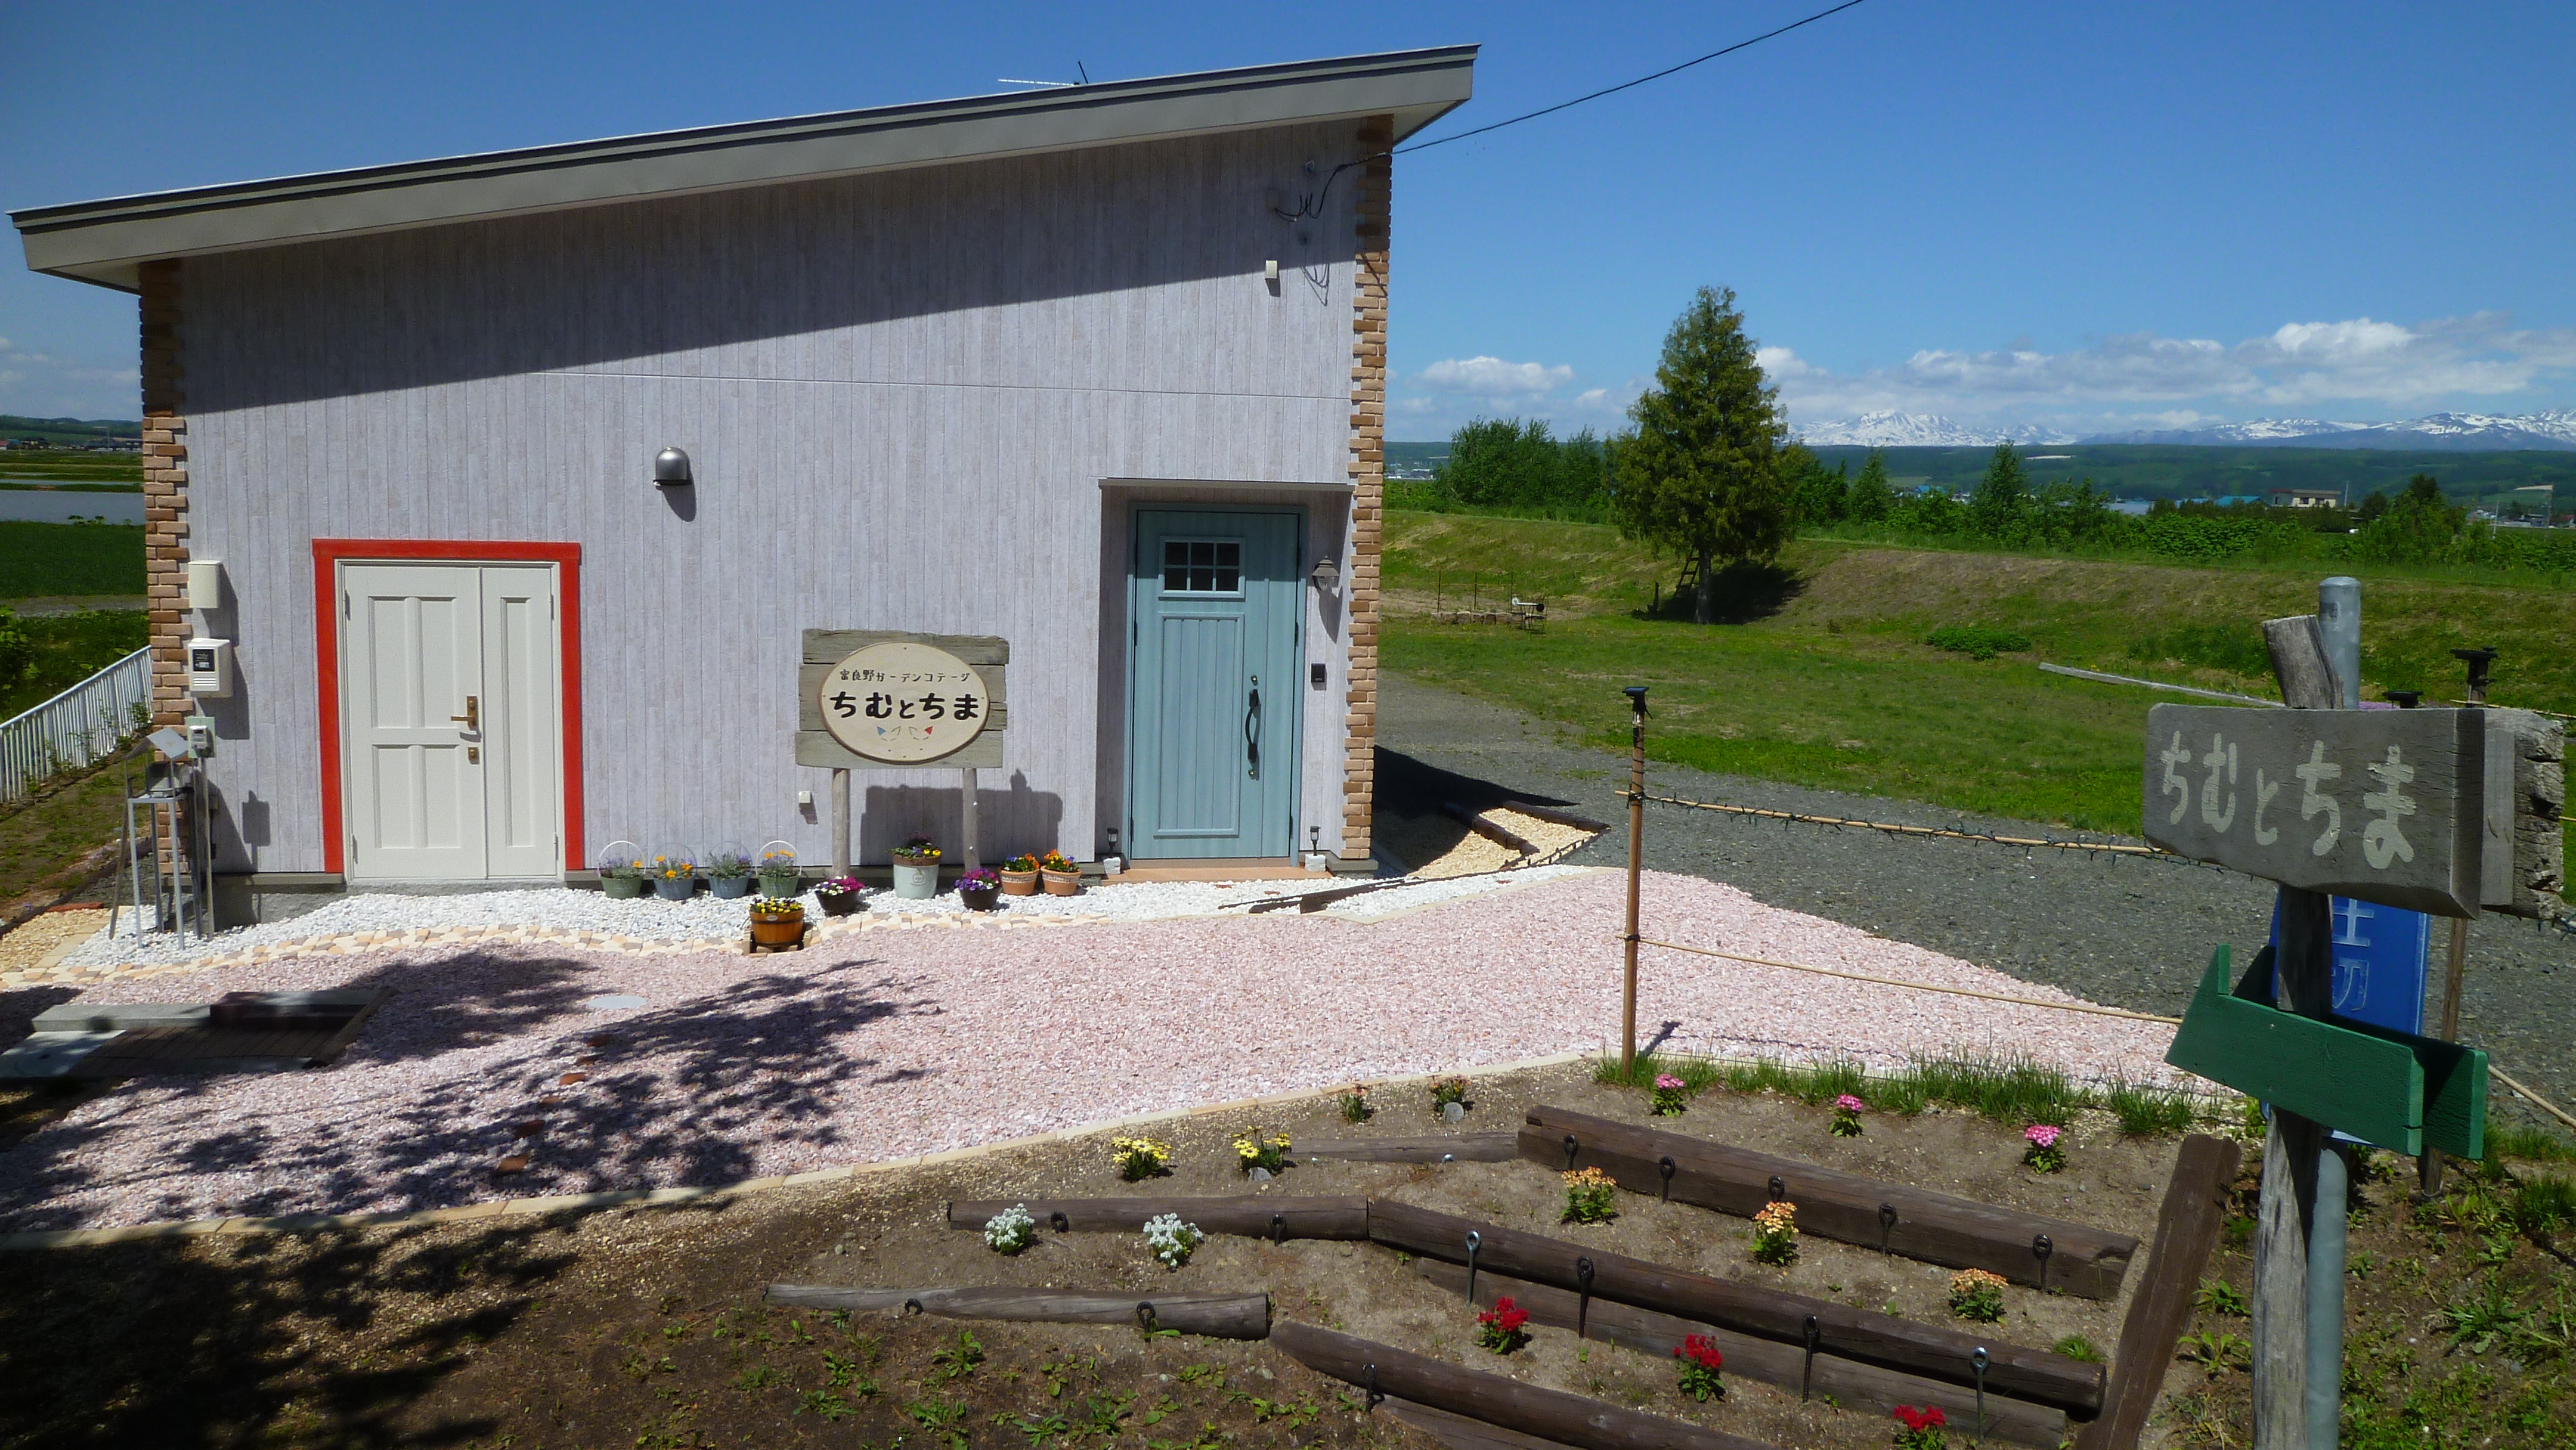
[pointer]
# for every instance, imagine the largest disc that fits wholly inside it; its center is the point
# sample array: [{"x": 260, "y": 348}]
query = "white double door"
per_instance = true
[{"x": 451, "y": 712}]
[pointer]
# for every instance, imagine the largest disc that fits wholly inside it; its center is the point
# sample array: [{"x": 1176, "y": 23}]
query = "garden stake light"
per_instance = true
[
  {"x": 1977, "y": 1358},
  {"x": 1636, "y": 867},
  {"x": 1807, "y": 1375}
]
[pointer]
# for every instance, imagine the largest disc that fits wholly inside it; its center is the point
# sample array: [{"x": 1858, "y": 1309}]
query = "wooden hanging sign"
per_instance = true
[{"x": 2378, "y": 805}]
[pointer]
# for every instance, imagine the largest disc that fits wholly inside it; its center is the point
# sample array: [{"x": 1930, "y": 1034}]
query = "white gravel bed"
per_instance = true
[
  {"x": 897, "y": 1043},
  {"x": 704, "y": 918}
]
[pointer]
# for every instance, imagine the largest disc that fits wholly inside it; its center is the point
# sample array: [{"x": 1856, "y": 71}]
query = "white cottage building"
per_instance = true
[{"x": 515, "y": 482}]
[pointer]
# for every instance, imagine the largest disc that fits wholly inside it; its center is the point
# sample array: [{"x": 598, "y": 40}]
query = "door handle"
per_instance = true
[
  {"x": 472, "y": 719},
  {"x": 1252, "y": 731}
]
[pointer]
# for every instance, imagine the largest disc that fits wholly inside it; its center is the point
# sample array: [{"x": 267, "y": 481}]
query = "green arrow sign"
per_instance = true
[{"x": 2393, "y": 1089}]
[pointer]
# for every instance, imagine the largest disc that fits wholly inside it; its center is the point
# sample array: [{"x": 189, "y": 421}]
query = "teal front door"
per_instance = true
[{"x": 1214, "y": 601}]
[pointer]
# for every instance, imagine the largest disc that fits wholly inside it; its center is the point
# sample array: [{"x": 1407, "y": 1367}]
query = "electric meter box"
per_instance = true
[{"x": 210, "y": 667}]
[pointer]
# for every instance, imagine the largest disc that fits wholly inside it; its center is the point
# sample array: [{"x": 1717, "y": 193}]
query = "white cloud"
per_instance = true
[
  {"x": 1491, "y": 377},
  {"x": 2359, "y": 364},
  {"x": 40, "y": 385}
]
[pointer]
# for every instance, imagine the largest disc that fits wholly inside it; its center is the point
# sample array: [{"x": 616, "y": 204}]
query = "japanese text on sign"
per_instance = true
[
  {"x": 2367, "y": 804},
  {"x": 902, "y": 702}
]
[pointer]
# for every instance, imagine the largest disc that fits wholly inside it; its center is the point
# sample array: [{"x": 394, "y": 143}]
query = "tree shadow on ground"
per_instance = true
[
  {"x": 1742, "y": 593},
  {"x": 536, "y": 1095},
  {"x": 269, "y": 1340}
]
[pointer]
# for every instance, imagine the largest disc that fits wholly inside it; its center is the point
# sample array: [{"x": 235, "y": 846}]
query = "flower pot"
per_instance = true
[
  {"x": 838, "y": 903},
  {"x": 980, "y": 898},
  {"x": 780, "y": 883},
  {"x": 621, "y": 888},
  {"x": 675, "y": 888},
  {"x": 729, "y": 887},
  {"x": 916, "y": 881},
  {"x": 778, "y": 931},
  {"x": 1063, "y": 883},
  {"x": 1019, "y": 883}
]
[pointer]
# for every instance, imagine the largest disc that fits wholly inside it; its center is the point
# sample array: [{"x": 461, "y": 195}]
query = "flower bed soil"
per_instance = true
[{"x": 605, "y": 1329}]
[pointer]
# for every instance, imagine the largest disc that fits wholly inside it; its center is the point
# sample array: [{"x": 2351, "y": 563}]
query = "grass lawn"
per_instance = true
[
  {"x": 1825, "y": 680},
  {"x": 41, "y": 839},
  {"x": 38, "y": 559},
  {"x": 69, "y": 649}
]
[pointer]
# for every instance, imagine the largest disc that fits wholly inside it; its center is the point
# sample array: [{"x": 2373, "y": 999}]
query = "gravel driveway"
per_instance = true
[
  {"x": 877, "y": 1046},
  {"x": 2128, "y": 932}
]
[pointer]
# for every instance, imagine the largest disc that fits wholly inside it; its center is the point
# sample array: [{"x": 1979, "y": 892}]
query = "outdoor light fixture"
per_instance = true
[
  {"x": 671, "y": 469},
  {"x": 1327, "y": 576}
]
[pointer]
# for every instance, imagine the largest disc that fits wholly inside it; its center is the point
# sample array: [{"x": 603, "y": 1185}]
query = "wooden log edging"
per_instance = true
[
  {"x": 1849, "y": 1381},
  {"x": 1567, "y": 1419},
  {"x": 1937, "y": 1228},
  {"x": 2187, "y": 1228},
  {"x": 1218, "y": 1316},
  {"x": 1460, "y": 1433},
  {"x": 1503, "y": 836},
  {"x": 1254, "y": 1215},
  {"x": 1438, "y": 1148},
  {"x": 1841, "y": 1329}
]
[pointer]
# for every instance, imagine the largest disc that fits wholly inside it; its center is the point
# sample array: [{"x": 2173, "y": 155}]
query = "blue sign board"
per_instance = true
[{"x": 2379, "y": 962}]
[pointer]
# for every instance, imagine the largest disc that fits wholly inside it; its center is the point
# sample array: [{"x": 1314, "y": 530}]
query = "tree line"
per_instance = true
[{"x": 1706, "y": 473}]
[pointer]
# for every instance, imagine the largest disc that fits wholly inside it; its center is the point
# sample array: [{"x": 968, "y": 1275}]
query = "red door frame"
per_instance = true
[{"x": 329, "y": 554}]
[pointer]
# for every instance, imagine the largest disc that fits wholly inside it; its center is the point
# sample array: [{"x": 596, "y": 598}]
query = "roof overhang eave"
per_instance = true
[{"x": 108, "y": 242}]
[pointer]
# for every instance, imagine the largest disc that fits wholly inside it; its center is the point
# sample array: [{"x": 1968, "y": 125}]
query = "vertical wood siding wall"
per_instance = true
[{"x": 900, "y": 393}]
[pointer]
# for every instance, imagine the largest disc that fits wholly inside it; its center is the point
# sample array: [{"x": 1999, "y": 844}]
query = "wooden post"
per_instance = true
[
  {"x": 966, "y": 830},
  {"x": 840, "y": 822},
  {"x": 1636, "y": 869},
  {"x": 2428, "y": 1168}
]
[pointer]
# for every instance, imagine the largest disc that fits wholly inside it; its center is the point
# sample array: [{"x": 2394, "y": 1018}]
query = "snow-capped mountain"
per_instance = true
[
  {"x": 1916, "y": 430},
  {"x": 2466, "y": 432},
  {"x": 2553, "y": 428}
]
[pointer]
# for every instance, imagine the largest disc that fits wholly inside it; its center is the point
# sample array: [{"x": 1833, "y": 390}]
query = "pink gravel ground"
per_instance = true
[{"x": 909, "y": 1042}]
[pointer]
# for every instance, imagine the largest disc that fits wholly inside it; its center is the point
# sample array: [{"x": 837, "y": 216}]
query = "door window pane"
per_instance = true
[{"x": 1202, "y": 566}]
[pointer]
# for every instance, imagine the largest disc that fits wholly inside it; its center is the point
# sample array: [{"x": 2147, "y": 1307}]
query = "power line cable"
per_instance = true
[
  {"x": 1314, "y": 206},
  {"x": 1626, "y": 85}
]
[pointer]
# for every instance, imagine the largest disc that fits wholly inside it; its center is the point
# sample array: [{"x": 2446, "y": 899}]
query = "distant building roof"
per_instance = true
[{"x": 106, "y": 242}]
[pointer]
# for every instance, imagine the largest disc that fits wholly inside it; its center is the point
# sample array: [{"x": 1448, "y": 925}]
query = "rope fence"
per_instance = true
[{"x": 1951, "y": 833}]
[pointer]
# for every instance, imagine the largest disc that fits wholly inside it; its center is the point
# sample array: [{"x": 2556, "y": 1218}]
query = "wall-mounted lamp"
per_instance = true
[
  {"x": 671, "y": 469},
  {"x": 1327, "y": 577}
]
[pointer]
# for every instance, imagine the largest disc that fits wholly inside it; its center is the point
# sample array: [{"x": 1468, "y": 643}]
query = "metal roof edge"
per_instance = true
[{"x": 105, "y": 241}]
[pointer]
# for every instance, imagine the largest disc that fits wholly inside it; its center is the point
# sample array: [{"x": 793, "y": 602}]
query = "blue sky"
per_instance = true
[{"x": 2088, "y": 216}]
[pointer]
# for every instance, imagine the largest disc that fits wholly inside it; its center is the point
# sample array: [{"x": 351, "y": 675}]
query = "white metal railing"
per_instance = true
[{"x": 82, "y": 724}]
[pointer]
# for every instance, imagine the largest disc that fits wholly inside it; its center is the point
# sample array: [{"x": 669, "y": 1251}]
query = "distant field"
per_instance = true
[
  {"x": 2137, "y": 470},
  {"x": 1827, "y": 682},
  {"x": 71, "y": 465},
  {"x": 38, "y": 559}
]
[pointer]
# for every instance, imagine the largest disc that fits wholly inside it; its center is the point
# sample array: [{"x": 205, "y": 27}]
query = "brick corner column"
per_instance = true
[
  {"x": 165, "y": 492},
  {"x": 1368, "y": 477}
]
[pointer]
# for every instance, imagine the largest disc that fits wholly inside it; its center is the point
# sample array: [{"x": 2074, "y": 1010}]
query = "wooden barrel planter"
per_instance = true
[{"x": 778, "y": 931}]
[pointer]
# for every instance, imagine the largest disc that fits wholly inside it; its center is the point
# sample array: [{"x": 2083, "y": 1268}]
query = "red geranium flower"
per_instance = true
[
  {"x": 1699, "y": 1349},
  {"x": 1504, "y": 1316},
  {"x": 1927, "y": 1418}
]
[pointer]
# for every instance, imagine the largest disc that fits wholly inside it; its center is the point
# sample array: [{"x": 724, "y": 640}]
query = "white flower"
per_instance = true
[
  {"x": 1011, "y": 1230},
  {"x": 1170, "y": 1239}
]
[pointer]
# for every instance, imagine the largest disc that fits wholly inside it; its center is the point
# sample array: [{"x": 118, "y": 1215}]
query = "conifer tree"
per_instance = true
[
  {"x": 2002, "y": 495},
  {"x": 1871, "y": 495},
  {"x": 1700, "y": 475}
]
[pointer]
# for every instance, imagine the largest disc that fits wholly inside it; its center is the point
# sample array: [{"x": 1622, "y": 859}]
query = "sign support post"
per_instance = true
[
  {"x": 2428, "y": 1169},
  {"x": 840, "y": 821},
  {"x": 1636, "y": 869}
]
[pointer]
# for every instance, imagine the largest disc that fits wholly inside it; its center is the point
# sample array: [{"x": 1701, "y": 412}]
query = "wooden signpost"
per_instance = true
[
  {"x": 2446, "y": 811},
  {"x": 882, "y": 699}
]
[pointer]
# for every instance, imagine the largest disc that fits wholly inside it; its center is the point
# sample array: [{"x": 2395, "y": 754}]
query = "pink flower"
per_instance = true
[
  {"x": 1849, "y": 1104},
  {"x": 2041, "y": 1135},
  {"x": 1665, "y": 1082}
]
